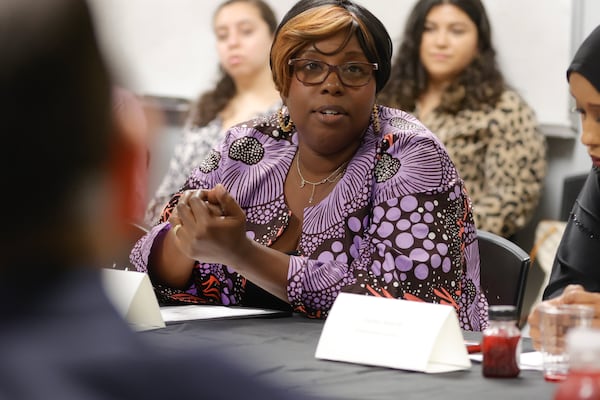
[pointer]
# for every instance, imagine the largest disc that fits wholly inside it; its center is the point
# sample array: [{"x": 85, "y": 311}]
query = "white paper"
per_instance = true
[
  {"x": 132, "y": 295},
  {"x": 393, "y": 333},
  {"x": 193, "y": 312},
  {"x": 531, "y": 360}
]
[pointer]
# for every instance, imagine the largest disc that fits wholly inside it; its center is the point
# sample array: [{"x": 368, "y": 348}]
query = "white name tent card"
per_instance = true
[
  {"x": 393, "y": 333},
  {"x": 132, "y": 295}
]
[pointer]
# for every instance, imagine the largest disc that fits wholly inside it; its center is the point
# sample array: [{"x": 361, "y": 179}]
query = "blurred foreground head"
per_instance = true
[{"x": 55, "y": 114}]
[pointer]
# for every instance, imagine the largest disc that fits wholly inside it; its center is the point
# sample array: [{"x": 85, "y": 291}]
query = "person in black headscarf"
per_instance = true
[{"x": 575, "y": 277}]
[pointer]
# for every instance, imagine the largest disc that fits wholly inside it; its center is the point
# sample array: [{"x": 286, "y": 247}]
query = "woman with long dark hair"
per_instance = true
[{"x": 446, "y": 74}]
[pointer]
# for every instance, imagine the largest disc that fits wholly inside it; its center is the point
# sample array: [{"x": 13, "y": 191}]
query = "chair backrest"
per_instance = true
[{"x": 504, "y": 268}]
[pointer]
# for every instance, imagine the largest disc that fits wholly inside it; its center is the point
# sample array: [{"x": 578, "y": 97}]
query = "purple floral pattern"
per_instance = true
[{"x": 398, "y": 223}]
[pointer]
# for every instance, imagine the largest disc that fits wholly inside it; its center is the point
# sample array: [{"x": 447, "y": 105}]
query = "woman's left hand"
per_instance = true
[
  {"x": 213, "y": 226},
  {"x": 576, "y": 294},
  {"x": 573, "y": 294}
]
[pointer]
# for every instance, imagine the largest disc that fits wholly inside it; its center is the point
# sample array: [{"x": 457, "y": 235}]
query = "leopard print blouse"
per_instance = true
[{"x": 501, "y": 155}]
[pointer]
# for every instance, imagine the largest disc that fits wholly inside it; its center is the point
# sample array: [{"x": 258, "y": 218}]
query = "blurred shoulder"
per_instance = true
[
  {"x": 517, "y": 120},
  {"x": 511, "y": 100}
]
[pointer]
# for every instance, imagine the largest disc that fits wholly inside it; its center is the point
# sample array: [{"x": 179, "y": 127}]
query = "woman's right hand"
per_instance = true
[
  {"x": 172, "y": 261},
  {"x": 209, "y": 225}
]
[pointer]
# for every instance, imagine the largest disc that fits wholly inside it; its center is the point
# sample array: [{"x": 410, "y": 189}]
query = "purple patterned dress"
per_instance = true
[{"x": 397, "y": 224}]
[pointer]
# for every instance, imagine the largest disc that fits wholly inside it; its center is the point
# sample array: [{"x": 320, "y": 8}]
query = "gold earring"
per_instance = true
[
  {"x": 285, "y": 127},
  {"x": 375, "y": 119}
]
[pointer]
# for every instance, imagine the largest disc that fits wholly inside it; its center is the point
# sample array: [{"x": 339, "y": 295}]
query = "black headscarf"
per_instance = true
[
  {"x": 576, "y": 260},
  {"x": 587, "y": 59}
]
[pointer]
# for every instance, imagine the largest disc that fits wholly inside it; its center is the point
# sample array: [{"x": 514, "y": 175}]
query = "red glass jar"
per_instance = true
[{"x": 501, "y": 344}]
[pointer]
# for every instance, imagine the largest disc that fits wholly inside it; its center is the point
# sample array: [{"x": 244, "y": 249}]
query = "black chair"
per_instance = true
[{"x": 504, "y": 268}]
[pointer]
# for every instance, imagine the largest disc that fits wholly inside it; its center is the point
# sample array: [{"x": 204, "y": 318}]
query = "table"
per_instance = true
[{"x": 282, "y": 350}]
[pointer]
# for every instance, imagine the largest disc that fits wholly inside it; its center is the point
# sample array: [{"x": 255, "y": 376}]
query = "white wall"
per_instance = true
[{"x": 167, "y": 47}]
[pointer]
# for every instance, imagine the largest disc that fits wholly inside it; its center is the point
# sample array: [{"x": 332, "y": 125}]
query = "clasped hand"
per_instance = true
[{"x": 209, "y": 226}]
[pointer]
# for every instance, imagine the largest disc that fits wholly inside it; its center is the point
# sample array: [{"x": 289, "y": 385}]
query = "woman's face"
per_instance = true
[
  {"x": 587, "y": 103},
  {"x": 448, "y": 44},
  {"x": 331, "y": 117},
  {"x": 243, "y": 40}
]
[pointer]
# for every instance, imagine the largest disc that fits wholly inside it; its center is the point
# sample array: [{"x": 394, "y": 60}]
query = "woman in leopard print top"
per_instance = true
[{"x": 446, "y": 74}]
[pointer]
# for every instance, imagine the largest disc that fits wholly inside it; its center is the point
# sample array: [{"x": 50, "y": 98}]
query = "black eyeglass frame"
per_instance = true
[{"x": 332, "y": 68}]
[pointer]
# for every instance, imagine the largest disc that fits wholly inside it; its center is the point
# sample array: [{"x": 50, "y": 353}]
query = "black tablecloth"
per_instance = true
[{"x": 282, "y": 350}]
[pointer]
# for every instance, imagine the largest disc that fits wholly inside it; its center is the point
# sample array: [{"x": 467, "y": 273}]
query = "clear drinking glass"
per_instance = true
[{"x": 555, "y": 322}]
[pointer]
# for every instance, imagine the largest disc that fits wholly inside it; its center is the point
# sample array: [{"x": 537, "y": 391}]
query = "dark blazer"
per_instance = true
[{"x": 60, "y": 338}]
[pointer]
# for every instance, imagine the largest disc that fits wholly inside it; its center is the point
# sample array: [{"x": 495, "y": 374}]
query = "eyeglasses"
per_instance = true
[{"x": 314, "y": 72}]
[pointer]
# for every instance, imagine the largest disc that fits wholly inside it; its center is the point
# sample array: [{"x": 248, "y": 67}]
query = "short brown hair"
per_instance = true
[{"x": 312, "y": 20}]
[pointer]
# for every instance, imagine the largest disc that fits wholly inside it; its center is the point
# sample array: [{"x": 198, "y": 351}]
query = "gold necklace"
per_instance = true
[{"x": 333, "y": 177}]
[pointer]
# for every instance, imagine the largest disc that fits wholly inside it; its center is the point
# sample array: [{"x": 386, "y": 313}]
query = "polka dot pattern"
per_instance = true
[
  {"x": 386, "y": 168},
  {"x": 247, "y": 150},
  {"x": 405, "y": 125},
  {"x": 211, "y": 162}
]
